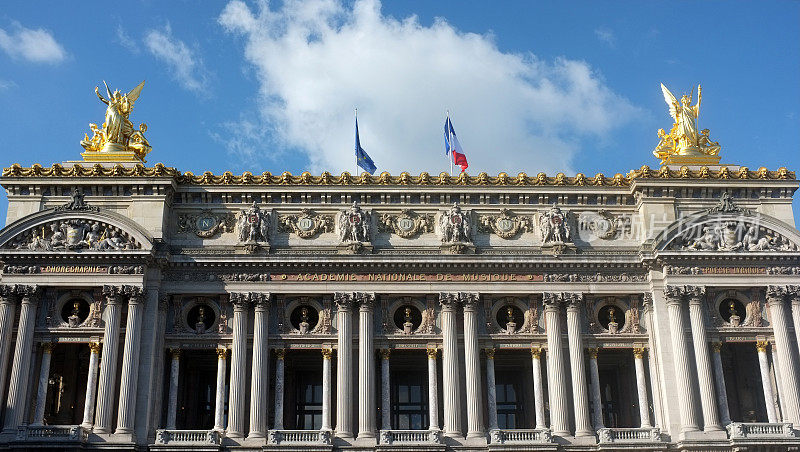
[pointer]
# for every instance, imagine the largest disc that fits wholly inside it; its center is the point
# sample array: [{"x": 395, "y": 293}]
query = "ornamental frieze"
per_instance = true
[
  {"x": 305, "y": 225},
  {"x": 74, "y": 234},
  {"x": 75, "y": 269},
  {"x": 605, "y": 225},
  {"x": 506, "y": 224},
  {"x": 206, "y": 224},
  {"x": 739, "y": 235},
  {"x": 406, "y": 224}
]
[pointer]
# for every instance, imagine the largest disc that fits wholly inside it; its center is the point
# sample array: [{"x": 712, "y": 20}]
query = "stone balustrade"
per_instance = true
[
  {"x": 55, "y": 433},
  {"x": 629, "y": 435},
  {"x": 410, "y": 437},
  {"x": 187, "y": 437},
  {"x": 283, "y": 437},
  {"x": 520, "y": 436},
  {"x": 760, "y": 430}
]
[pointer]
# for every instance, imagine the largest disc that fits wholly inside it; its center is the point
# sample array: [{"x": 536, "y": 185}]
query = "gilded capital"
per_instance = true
[
  {"x": 762, "y": 346},
  {"x": 327, "y": 353},
  {"x": 280, "y": 353},
  {"x": 94, "y": 347},
  {"x": 536, "y": 352},
  {"x": 47, "y": 347},
  {"x": 593, "y": 351},
  {"x": 638, "y": 352},
  {"x": 386, "y": 353},
  {"x": 716, "y": 346},
  {"x": 222, "y": 353},
  {"x": 489, "y": 353},
  {"x": 176, "y": 353},
  {"x": 432, "y": 352}
]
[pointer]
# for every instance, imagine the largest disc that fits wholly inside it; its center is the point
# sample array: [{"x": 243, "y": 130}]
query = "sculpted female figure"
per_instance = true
[{"x": 118, "y": 128}]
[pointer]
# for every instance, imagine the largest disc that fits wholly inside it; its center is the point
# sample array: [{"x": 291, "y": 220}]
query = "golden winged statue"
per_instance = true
[
  {"x": 117, "y": 139},
  {"x": 684, "y": 144}
]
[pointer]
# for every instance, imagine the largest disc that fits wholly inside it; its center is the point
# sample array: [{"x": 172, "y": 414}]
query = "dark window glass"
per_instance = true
[
  {"x": 410, "y": 400},
  {"x": 509, "y": 404},
  {"x": 309, "y": 401}
]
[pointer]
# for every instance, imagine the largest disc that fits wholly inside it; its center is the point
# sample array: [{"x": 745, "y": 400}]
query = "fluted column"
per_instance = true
[
  {"x": 794, "y": 296},
  {"x": 655, "y": 387},
  {"x": 538, "y": 389},
  {"x": 683, "y": 371},
  {"x": 433, "y": 392},
  {"x": 172, "y": 402},
  {"x": 386, "y": 397},
  {"x": 8, "y": 300},
  {"x": 451, "y": 383},
  {"x": 641, "y": 387},
  {"x": 472, "y": 360},
  {"x": 108, "y": 364},
  {"x": 219, "y": 405},
  {"x": 130, "y": 360},
  {"x": 280, "y": 368},
  {"x": 580, "y": 398},
  {"x": 259, "y": 384},
  {"x": 327, "y": 354},
  {"x": 367, "y": 409},
  {"x": 763, "y": 365},
  {"x": 708, "y": 398},
  {"x": 91, "y": 385},
  {"x": 559, "y": 414},
  {"x": 719, "y": 379},
  {"x": 491, "y": 389},
  {"x": 44, "y": 376},
  {"x": 597, "y": 400},
  {"x": 344, "y": 365},
  {"x": 788, "y": 361},
  {"x": 236, "y": 403},
  {"x": 18, "y": 384}
]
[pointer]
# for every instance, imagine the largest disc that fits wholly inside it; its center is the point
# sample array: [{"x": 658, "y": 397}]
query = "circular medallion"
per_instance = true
[
  {"x": 355, "y": 219},
  {"x": 505, "y": 224},
  {"x": 205, "y": 223},
  {"x": 455, "y": 219},
  {"x": 305, "y": 224},
  {"x": 252, "y": 219},
  {"x": 602, "y": 226},
  {"x": 405, "y": 224},
  {"x": 555, "y": 220}
]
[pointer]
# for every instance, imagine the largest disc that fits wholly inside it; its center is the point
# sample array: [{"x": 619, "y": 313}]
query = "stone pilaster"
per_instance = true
[
  {"x": 236, "y": 404},
  {"x": 491, "y": 389},
  {"x": 708, "y": 398},
  {"x": 259, "y": 385},
  {"x": 386, "y": 388},
  {"x": 763, "y": 365},
  {"x": 641, "y": 387},
  {"x": 219, "y": 405},
  {"x": 580, "y": 398},
  {"x": 472, "y": 360},
  {"x": 130, "y": 360},
  {"x": 8, "y": 304},
  {"x": 91, "y": 385},
  {"x": 172, "y": 402},
  {"x": 559, "y": 413},
  {"x": 538, "y": 387},
  {"x": 451, "y": 382},
  {"x": 108, "y": 365},
  {"x": 344, "y": 364},
  {"x": 597, "y": 401},
  {"x": 683, "y": 371},
  {"x": 327, "y": 381},
  {"x": 719, "y": 379},
  {"x": 20, "y": 369},
  {"x": 783, "y": 346},
  {"x": 433, "y": 392},
  {"x": 367, "y": 408},
  {"x": 44, "y": 376},
  {"x": 280, "y": 383}
]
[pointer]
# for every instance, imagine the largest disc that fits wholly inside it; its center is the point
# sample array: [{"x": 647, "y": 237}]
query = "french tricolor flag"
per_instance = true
[{"x": 452, "y": 145}]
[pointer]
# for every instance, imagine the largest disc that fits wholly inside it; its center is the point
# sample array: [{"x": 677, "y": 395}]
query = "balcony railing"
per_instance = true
[
  {"x": 629, "y": 435},
  {"x": 520, "y": 436},
  {"x": 760, "y": 430},
  {"x": 409, "y": 437},
  {"x": 55, "y": 433},
  {"x": 187, "y": 437},
  {"x": 300, "y": 437}
]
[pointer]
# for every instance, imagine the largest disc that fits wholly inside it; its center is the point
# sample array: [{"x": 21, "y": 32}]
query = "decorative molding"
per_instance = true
[
  {"x": 506, "y": 224},
  {"x": 73, "y": 234},
  {"x": 406, "y": 224},
  {"x": 306, "y": 224},
  {"x": 206, "y": 224}
]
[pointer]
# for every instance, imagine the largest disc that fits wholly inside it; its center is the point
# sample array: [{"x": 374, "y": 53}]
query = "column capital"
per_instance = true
[
  {"x": 574, "y": 300},
  {"x": 241, "y": 300},
  {"x": 694, "y": 293},
  {"x": 448, "y": 300},
  {"x": 551, "y": 299},
  {"x": 280, "y": 353},
  {"x": 112, "y": 293},
  {"x": 327, "y": 353},
  {"x": 489, "y": 353},
  {"x": 432, "y": 352},
  {"x": 469, "y": 300},
  {"x": 638, "y": 352},
  {"x": 386, "y": 353},
  {"x": 135, "y": 294},
  {"x": 673, "y": 294},
  {"x": 222, "y": 353},
  {"x": 365, "y": 300},
  {"x": 776, "y": 294},
  {"x": 536, "y": 352},
  {"x": 716, "y": 346},
  {"x": 28, "y": 293},
  {"x": 344, "y": 300},
  {"x": 647, "y": 299},
  {"x": 95, "y": 347},
  {"x": 593, "y": 351},
  {"x": 762, "y": 346},
  {"x": 47, "y": 347},
  {"x": 793, "y": 293},
  {"x": 175, "y": 352}
]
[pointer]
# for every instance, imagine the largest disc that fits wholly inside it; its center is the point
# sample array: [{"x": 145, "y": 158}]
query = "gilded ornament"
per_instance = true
[
  {"x": 685, "y": 144},
  {"x": 117, "y": 140}
]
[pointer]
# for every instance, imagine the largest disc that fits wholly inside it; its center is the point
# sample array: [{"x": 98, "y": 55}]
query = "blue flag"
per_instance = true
[{"x": 362, "y": 158}]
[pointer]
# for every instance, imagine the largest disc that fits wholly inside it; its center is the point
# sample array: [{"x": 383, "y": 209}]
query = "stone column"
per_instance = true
[
  {"x": 538, "y": 389},
  {"x": 433, "y": 392},
  {"x": 559, "y": 414},
  {"x": 763, "y": 364},
  {"x": 597, "y": 399},
  {"x": 108, "y": 364},
  {"x": 655, "y": 372},
  {"x": 326, "y": 389},
  {"x": 8, "y": 299},
  {"x": 259, "y": 384},
  {"x": 472, "y": 360},
  {"x": 236, "y": 403},
  {"x": 44, "y": 376},
  {"x": 451, "y": 389},
  {"x": 219, "y": 406},
  {"x": 344, "y": 365},
  {"x": 367, "y": 409},
  {"x": 91, "y": 385},
  {"x": 580, "y": 398},
  {"x": 794, "y": 296},
  {"x": 719, "y": 379},
  {"x": 786, "y": 358},
  {"x": 16, "y": 402},
  {"x": 174, "y": 373},
  {"x": 386, "y": 387},
  {"x": 641, "y": 388},
  {"x": 708, "y": 398},
  {"x": 683, "y": 371},
  {"x": 491, "y": 389},
  {"x": 126, "y": 412},
  {"x": 280, "y": 367}
]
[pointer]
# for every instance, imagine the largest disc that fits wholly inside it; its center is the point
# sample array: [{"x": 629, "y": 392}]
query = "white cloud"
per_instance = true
[
  {"x": 6, "y": 84},
  {"x": 37, "y": 46},
  {"x": 183, "y": 62},
  {"x": 126, "y": 40},
  {"x": 317, "y": 60},
  {"x": 606, "y": 35}
]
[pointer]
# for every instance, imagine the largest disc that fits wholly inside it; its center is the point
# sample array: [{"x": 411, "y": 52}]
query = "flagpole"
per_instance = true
[
  {"x": 356, "y": 151},
  {"x": 450, "y": 142}
]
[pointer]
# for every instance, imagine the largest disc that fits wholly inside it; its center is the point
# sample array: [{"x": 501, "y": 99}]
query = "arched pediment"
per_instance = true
[{"x": 75, "y": 227}]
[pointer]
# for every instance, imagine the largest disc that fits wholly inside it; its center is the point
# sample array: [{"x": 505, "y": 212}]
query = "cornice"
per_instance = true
[{"x": 386, "y": 179}]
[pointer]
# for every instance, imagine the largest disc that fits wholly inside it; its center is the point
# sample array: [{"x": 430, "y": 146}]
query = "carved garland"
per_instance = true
[
  {"x": 407, "y": 224},
  {"x": 206, "y": 223},
  {"x": 306, "y": 225},
  {"x": 506, "y": 224}
]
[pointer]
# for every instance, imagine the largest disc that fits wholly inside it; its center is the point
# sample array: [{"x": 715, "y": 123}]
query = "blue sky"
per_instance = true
[{"x": 531, "y": 86}]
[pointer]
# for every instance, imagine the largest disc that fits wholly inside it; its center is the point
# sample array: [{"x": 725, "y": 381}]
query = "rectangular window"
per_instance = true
[
  {"x": 410, "y": 400},
  {"x": 510, "y": 412},
  {"x": 309, "y": 401}
]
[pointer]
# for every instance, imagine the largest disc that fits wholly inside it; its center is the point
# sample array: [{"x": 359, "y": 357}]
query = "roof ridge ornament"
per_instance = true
[
  {"x": 726, "y": 205},
  {"x": 77, "y": 204}
]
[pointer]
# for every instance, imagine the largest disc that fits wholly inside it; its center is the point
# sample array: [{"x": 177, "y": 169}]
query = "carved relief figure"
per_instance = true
[
  {"x": 555, "y": 227},
  {"x": 253, "y": 225},
  {"x": 455, "y": 227},
  {"x": 354, "y": 225}
]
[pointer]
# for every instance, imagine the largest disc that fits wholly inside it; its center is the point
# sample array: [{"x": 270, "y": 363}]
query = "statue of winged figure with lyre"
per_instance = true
[
  {"x": 684, "y": 139},
  {"x": 117, "y": 134}
]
